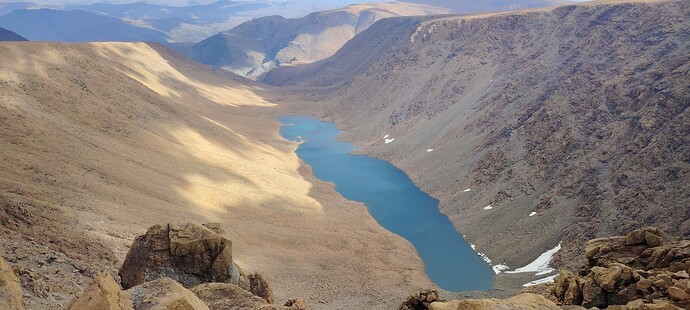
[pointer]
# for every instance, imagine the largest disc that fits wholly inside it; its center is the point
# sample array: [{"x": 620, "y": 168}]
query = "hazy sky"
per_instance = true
[{"x": 186, "y": 2}]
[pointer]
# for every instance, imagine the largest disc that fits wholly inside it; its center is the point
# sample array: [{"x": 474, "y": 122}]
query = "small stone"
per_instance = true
[{"x": 678, "y": 294}]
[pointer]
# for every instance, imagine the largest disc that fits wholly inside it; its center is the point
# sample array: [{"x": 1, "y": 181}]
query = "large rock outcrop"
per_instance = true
[
  {"x": 103, "y": 294},
  {"x": 10, "y": 289},
  {"x": 430, "y": 300},
  {"x": 164, "y": 294},
  {"x": 222, "y": 296},
  {"x": 190, "y": 254},
  {"x": 628, "y": 272}
]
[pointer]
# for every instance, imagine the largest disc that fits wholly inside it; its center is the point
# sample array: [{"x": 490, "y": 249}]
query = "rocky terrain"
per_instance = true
[
  {"x": 571, "y": 123},
  {"x": 257, "y": 46},
  {"x": 101, "y": 141},
  {"x": 641, "y": 270}
]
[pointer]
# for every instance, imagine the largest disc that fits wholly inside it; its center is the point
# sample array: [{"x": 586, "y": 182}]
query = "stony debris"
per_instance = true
[
  {"x": 103, "y": 294},
  {"x": 420, "y": 300},
  {"x": 10, "y": 289},
  {"x": 164, "y": 294},
  {"x": 190, "y": 254},
  {"x": 295, "y": 304},
  {"x": 222, "y": 296},
  {"x": 638, "y": 271}
]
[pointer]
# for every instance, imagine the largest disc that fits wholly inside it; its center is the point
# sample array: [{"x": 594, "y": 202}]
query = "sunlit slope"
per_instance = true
[{"x": 100, "y": 141}]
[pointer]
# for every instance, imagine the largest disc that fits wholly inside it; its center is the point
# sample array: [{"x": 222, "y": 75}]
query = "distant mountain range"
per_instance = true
[
  {"x": 186, "y": 23},
  {"x": 473, "y": 6},
  {"x": 6, "y": 35},
  {"x": 75, "y": 26},
  {"x": 257, "y": 46}
]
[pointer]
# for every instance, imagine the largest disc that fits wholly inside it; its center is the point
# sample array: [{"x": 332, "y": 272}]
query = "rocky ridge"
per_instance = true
[
  {"x": 572, "y": 122},
  {"x": 641, "y": 270},
  {"x": 185, "y": 266}
]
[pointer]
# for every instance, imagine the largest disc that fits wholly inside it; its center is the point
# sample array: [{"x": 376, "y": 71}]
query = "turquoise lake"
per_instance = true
[{"x": 393, "y": 200}]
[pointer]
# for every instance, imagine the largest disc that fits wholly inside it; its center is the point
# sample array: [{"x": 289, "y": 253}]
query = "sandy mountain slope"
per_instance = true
[
  {"x": 258, "y": 45},
  {"x": 101, "y": 141},
  {"x": 578, "y": 114}
]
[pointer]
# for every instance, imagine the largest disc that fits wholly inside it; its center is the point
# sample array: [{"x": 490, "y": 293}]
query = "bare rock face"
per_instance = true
[
  {"x": 103, "y": 294},
  {"x": 258, "y": 285},
  {"x": 164, "y": 294},
  {"x": 190, "y": 254},
  {"x": 420, "y": 300},
  {"x": 627, "y": 272},
  {"x": 295, "y": 304},
  {"x": 223, "y": 296},
  {"x": 525, "y": 301},
  {"x": 10, "y": 289},
  {"x": 567, "y": 288},
  {"x": 651, "y": 236}
]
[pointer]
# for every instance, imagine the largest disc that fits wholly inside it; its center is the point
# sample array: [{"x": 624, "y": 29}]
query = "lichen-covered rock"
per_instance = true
[
  {"x": 103, "y": 294},
  {"x": 601, "y": 246},
  {"x": 295, "y": 304},
  {"x": 420, "y": 300},
  {"x": 164, "y": 294},
  {"x": 10, "y": 288},
  {"x": 225, "y": 296},
  {"x": 567, "y": 289},
  {"x": 651, "y": 236},
  {"x": 190, "y": 254},
  {"x": 258, "y": 285},
  {"x": 592, "y": 294}
]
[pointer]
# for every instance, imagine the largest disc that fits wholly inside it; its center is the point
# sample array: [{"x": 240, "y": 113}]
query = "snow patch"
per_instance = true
[
  {"x": 429, "y": 150},
  {"x": 533, "y": 214},
  {"x": 540, "y": 266},
  {"x": 499, "y": 268},
  {"x": 489, "y": 207},
  {"x": 548, "y": 279},
  {"x": 386, "y": 137},
  {"x": 467, "y": 190},
  {"x": 389, "y": 140}
]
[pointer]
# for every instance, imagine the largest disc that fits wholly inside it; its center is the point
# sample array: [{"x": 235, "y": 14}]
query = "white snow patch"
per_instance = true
[
  {"x": 389, "y": 140},
  {"x": 499, "y": 268},
  {"x": 386, "y": 137},
  {"x": 429, "y": 150},
  {"x": 540, "y": 265},
  {"x": 548, "y": 279},
  {"x": 489, "y": 207},
  {"x": 533, "y": 213},
  {"x": 467, "y": 190},
  {"x": 473, "y": 247},
  {"x": 484, "y": 257}
]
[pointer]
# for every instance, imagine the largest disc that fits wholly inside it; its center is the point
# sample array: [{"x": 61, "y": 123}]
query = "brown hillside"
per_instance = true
[{"x": 100, "y": 141}]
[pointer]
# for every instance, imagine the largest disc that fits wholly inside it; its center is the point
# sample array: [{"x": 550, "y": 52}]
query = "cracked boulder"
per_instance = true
[{"x": 187, "y": 253}]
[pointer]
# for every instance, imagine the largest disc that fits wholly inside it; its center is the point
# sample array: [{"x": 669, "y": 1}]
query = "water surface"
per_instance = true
[{"x": 393, "y": 200}]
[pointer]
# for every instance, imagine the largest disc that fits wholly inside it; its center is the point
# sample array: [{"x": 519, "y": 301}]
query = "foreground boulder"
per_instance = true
[
  {"x": 640, "y": 270},
  {"x": 420, "y": 300},
  {"x": 10, "y": 289},
  {"x": 223, "y": 296},
  {"x": 164, "y": 294},
  {"x": 525, "y": 301},
  {"x": 103, "y": 294},
  {"x": 190, "y": 254}
]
